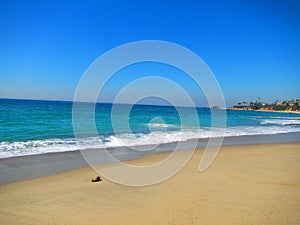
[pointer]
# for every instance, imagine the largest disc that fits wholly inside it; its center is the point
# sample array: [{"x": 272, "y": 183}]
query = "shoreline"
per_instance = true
[
  {"x": 19, "y": 168},
  {"x": 265, "y": 110},
  {"x": 249, "y": 184}
]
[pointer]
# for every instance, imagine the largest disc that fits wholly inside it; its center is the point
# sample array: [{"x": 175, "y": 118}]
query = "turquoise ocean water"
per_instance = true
[{"x": 34, "y": 127}]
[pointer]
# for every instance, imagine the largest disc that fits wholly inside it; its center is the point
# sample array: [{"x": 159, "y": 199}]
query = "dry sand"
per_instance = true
[{"x": 254, "y": 184}]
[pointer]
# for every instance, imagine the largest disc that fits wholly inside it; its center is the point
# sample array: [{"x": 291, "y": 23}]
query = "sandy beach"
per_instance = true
[
  {"x": 251, "y": 184},
  {"x": 266, "y": 110}
]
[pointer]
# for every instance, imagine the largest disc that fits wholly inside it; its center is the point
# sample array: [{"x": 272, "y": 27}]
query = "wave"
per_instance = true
[
  {"x": 160, "y": 125},
  {"x": 10, "y": 149},
  {"x": 281, "y": 122}
]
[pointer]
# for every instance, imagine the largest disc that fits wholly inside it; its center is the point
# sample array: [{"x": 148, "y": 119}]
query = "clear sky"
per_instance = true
[{"x": 253, "y": 47}]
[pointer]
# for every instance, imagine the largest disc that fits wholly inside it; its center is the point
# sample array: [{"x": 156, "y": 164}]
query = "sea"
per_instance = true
[{"x": 30, "y": 127}]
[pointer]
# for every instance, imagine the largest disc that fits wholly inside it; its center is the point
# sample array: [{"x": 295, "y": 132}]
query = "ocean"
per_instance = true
[{"x": 29, "y": 127}]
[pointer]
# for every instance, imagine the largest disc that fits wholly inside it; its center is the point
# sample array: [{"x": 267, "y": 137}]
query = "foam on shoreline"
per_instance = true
[{"x": 32, "y": 166}]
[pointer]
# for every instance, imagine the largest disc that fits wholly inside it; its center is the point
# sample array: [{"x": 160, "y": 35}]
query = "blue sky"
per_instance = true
[{"x": 251, "y": 46}]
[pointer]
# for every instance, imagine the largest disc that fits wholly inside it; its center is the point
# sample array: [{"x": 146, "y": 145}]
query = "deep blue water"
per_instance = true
[{"x": 33, "y": 127}]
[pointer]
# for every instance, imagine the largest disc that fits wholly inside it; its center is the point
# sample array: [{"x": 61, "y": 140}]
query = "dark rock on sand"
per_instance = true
[{"x": 96, "y": 179}]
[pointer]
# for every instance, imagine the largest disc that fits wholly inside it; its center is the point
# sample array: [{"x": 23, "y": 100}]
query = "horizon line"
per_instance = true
[{"x": 71, "y": 101}]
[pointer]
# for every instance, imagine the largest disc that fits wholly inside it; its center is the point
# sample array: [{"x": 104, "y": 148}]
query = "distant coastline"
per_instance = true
[
  {"x": 288, "y": 106},
  {"x": 265, "y": 110}
]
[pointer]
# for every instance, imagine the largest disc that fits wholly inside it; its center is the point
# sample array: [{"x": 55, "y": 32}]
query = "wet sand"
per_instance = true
[{"x": 251, "y": 184}]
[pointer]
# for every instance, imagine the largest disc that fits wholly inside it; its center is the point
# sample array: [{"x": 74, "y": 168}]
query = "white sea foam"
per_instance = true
[
  {"x": 8, "y": 149},
  {"x": 281, "y": 121},
  {"x": 159, "y": 125}
]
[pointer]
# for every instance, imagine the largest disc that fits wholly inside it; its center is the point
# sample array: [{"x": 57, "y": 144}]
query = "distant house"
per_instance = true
[
  {"x": 285, "y": 103},
  {"x": 279, "y": 103}
]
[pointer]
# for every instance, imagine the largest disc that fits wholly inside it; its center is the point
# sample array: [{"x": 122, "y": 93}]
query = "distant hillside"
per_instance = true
[{"x": 288, "y": 106}]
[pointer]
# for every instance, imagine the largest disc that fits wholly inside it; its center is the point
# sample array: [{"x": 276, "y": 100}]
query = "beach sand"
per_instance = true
[{"x": 251, "y": 184}]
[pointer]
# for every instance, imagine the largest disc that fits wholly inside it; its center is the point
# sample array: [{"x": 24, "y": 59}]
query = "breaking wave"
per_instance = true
[{"x": 20, "y": 148}]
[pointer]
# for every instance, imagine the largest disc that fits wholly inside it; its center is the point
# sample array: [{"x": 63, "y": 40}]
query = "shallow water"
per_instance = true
[{"x": 30, "y": 127}]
